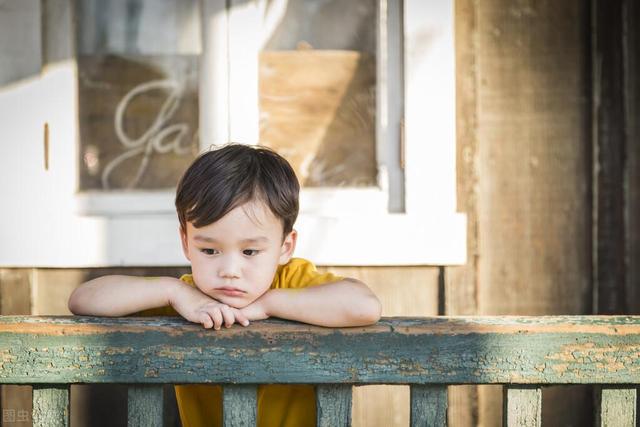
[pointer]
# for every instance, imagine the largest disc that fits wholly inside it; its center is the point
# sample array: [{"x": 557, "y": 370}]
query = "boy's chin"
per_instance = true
[{"x": 235, "y": 303}]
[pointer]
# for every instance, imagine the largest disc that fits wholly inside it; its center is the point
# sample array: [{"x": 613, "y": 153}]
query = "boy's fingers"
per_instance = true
[
  {"x": 206, "y": 321},
  {"x": 241, "y": 318},
  {"x": 216, "y": 315},
  {"x": 228, "y": 316}
]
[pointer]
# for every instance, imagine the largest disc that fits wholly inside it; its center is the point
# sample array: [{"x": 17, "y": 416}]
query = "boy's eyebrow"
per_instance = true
[{"x": 259, "y": 239}]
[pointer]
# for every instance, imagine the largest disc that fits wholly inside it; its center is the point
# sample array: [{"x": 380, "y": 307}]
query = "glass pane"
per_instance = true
[
  {"x": 317, "y": 90},
  {"x": 138, "y": 92}
]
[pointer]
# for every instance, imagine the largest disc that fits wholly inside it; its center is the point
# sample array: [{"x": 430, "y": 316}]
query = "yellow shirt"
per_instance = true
[{"x": 278, "y": 404}]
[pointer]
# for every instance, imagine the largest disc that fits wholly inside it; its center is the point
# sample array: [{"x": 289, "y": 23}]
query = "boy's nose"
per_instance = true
[{"x": 230, "y": 268}]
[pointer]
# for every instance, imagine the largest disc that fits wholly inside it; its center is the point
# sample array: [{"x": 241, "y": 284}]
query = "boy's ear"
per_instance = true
[
  {"x": 288, "y": 246},
  {"x": 185, "y": 245}
]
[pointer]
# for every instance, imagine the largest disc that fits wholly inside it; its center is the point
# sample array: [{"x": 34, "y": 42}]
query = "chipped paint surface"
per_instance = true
[{"x": 447, "y": 350}]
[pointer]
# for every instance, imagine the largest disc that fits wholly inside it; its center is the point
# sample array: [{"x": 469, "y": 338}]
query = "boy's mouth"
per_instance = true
[{"x": 232, "y": 292}]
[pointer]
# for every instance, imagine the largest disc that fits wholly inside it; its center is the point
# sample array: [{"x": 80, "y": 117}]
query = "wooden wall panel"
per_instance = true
[
  {"x": 533, "y": 131},
  {"x": 461, "y": 282},
  {"x": 632, "y": 176},
  {"x": 15, "y": 299}
]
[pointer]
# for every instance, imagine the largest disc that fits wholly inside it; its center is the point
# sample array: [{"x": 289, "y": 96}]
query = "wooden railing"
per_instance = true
[{"x": 524, "y": 353}]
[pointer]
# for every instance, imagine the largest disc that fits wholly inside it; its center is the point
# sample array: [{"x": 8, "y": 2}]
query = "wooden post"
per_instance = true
[
  {"x": 51, "y": 406},
  {"x": 617, "y": 407},
  {"x": 333, "y": 405},
  {"x": 428, "y": 406},
  {"x": 239, "y": 405},
  {"x": 608, "y": 117},
  {"x": 522, "y": 406},
  {"x": 145, "y": 405}
]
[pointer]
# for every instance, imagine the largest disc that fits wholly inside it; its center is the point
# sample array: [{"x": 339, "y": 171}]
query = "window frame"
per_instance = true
[{"x": 418, "y": 200}]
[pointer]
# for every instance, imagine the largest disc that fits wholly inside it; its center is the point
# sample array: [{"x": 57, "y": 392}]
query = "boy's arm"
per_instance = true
[
  {"x": 121, "y": 295},
  {"x": 347, "y": 302}
]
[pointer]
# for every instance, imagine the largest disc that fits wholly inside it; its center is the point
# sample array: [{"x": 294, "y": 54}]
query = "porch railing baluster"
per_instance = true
[
  {"x": 145, "y": 405},
  {"x": 239, "y": 405},
  {"x": 617, "y": 406},
  {"x": 333, "y": 402},
  {"x": 50, "y": 405},
  {"x": 522, "y": 406},
  {"x": 428, "y": 405}
]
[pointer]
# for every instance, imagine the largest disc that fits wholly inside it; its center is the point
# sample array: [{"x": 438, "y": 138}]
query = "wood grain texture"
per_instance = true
[
  {"x": 461, "y": 282},
  {"x": 145, "y": 406},
  {"x": 333, "y": 402},
  {"x": 428, "y": 406},
  {"x": 455, "y": 350},
  {"x": 608, "y": 156},
  {"x": 522, "y": 406},
  {"x": 632, "y": 150},
  {"x": 51, "y": 406},
  {"x": 534, "y": 196},
  {"x": 617, "y": 407},
  {"x": 317, "y": 107},
  {"x": 240, "y": 403}
]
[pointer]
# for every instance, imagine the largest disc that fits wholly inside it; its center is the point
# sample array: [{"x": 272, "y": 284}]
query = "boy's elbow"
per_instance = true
[
  {"x": 369, "y": 313},
  {"x": 74, "y": 304}
]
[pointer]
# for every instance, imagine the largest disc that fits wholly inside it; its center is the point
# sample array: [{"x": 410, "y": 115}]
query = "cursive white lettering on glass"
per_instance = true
[{"x": 157, "y": 138}]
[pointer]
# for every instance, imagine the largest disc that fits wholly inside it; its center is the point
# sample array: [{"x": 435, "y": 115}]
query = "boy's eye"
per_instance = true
[
  {"x": 250, "y": 252},
  {"x": 209, "y": 251}
]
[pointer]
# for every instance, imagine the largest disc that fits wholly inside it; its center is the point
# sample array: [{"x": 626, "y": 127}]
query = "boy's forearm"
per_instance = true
[
  {"x": 344, "y": 303},
  {"x": 121, "y": 295}
]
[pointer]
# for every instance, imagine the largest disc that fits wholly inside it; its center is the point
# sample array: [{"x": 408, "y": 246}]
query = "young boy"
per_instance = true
[{"x": 237, "y": 205}]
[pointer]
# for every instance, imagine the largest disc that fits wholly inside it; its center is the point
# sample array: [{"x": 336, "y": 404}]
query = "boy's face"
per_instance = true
[{"x": 234, "y": 259}]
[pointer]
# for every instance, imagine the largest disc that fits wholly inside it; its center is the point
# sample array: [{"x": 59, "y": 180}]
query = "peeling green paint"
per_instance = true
[{"x": 444, "y": 350}]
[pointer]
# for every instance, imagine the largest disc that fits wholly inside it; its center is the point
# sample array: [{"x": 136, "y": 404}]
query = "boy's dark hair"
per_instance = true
[{"x": 229, "y": 176}]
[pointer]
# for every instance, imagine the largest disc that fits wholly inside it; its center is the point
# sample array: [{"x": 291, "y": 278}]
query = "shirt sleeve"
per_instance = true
[{"x": 300, "y": 273}]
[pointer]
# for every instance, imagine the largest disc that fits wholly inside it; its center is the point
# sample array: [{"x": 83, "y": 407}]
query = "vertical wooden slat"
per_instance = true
[
  {"x": 617, "y": 407},
  {"x": 522, "y": 406},
  {"x": 145, "y": 405},
  {"x": 609, "y": 156},
  {"x": 239, "y": 405},
  {"x": 333, "y": 405},
  {"x": 428, "y": 405},
  {"x": 51, "y": 405}
]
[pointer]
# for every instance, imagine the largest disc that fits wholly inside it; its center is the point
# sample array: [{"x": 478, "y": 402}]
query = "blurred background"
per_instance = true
[{"x": 461, "y": 157}]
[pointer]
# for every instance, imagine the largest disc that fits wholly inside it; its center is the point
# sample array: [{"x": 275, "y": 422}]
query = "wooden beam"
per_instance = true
[
  {"x": 608, "y": 115},
  {"x": 441, "y": 350}
]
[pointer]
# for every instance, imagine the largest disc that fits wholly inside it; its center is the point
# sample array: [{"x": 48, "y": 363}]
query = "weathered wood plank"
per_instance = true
[
  {"x": 333, "y": 402},
  {"x": 145, "y": 405},
  {"x": 533, "y": 160},
  {"x": 617, "y": 407},
  {"x": 428, "y": 406},
  {"x": 609, "y": 156},
  {"x": 446, "y": 350},
  {"x": 240, "y": 405},
  {"x": 522, "y": 406},
  {"x": 51, "y": 405}
]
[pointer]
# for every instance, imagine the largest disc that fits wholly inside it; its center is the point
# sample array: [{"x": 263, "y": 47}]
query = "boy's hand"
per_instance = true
[
  {"x": 257, "y": 310},
  {"x": 197, "y": 307}
]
